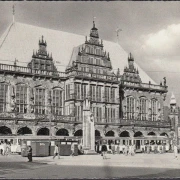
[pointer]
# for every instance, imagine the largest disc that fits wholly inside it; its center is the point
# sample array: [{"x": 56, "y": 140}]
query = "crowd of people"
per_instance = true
[{"x": 5, "y": 148}]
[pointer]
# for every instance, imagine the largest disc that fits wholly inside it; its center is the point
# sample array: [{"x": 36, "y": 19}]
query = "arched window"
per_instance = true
[
  {"x": 153, "y": 109},
  {"x": 3, "y": 96},
  {"x": 21, "y": 98},
  {"x": 143, "y": 108},
  {"x": 130, "y": 107},
  {"x": 40, "y": 100},
  {"x": 57, "y": 101}
]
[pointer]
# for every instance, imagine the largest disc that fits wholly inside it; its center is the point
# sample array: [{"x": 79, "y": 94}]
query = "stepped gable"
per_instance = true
[{"x": 41, "y": 59}]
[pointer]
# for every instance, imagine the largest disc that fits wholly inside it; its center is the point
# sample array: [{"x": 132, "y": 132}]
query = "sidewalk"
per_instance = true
[{"x": 118, "y": 160}]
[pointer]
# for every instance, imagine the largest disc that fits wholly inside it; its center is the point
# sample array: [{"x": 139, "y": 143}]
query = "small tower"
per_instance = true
[
  {"x": 94, "y": 31},
  {"x": 131, "y": 61},
  {"x": 174, "y": 118},
  {"x": 172, "y": 103}
]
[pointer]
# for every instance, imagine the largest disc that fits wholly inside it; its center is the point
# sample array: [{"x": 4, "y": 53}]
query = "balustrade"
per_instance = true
[
  {"x": 145, "y": 86},
  {"x": 21, "y": 69}
]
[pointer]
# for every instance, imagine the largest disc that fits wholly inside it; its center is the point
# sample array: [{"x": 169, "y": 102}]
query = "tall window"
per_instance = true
[
  {"x": 91, "y": 60},
  {"x": 78, "y": 112},
  {"x": 154, "y": 109},
  {"x": 3, "y": 96},
  {"x": 98, "y": 93},
  {"x": 98, "y": 114},
  {"x": 87, "y": 49},
  {"x": 21, "y": 98},
  {"x": 83, "y": 91},
  {"x": 109, "y": 115},
  {"x": 40, "y": 100},
  {"x": 78, "y": 91},
  {"x": 57, "y": 104},
  {"x": 68, "y": 91},
  {"x": 113, "y": 95},
  {"x": 143, "y": 108},
  {"x": 113, "y": 114},
  {"x": 107, "y": 94},
  {"x": 130, "y": 107},
  {"x": 93, "y": 92},
  {"x": 92, "y": 50}
]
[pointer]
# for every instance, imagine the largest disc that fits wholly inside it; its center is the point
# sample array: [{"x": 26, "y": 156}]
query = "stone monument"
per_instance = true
[{"x": 88, "y": 129}]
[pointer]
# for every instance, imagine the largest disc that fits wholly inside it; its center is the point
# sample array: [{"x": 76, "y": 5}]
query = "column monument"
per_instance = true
[{"x": 88, "y": 129}]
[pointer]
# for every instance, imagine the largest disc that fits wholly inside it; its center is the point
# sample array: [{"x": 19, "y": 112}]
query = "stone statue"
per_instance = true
[
  {"x": 13, "y": 100},
  {"x": 124, "y": 112},
  {"x": 159, "y": 114},
  {"x": 164, "y": 81}
]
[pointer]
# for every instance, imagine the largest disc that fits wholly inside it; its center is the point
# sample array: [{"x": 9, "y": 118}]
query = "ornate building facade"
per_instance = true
[{"x": 40, "y": 100}]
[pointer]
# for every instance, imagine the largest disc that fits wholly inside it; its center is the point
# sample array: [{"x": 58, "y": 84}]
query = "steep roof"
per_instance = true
[{"x": 20, "y": 39}]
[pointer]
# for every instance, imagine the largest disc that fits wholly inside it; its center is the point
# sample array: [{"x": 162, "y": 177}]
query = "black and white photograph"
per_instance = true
[{"x": 89, "y": 89}]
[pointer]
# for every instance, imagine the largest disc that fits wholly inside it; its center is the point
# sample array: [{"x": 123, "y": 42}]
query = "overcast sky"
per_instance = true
[{"x": 150, "y": 30}]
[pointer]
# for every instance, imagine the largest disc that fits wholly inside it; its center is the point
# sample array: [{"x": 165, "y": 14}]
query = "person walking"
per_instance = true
[
  {"x": 123, "y": 148},
  {"x": 29, "y": 153},
  {"x": 72, "y": 149},
  {"x": 113, "y": 148},
  {"x": 103, "y": 151},
  {"x": 56, "y": 152}
]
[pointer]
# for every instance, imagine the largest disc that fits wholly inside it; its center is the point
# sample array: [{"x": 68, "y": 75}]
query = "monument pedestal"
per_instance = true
[{"x": 90, "y": 152}]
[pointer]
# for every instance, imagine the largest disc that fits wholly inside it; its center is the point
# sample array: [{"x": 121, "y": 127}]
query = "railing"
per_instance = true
[
  {"x": 94, "y": 75},
  {"x": 145, "y": 123},
  {"x": 144, "y": 86},
  {"x": 21, "y": 69}
]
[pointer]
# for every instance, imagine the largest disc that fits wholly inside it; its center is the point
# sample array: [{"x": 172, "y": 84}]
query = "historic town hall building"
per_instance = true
[{"x": 38, "y": 99}]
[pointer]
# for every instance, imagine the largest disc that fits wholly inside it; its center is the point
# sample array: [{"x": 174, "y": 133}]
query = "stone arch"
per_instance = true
[
  {"x": 164, "y": 134},
  {"x": 97, "y": 133},
  {"x": 62, "y": 132},
  {"x": 138, "y": 134},
  {"x": 151, "y": 133},
  {"x": 24, "y": 130},
  {"x": 5, "y": 130},
  {"x": 124, "y": 134},
  {"x": 78, "y": 133},
  {"x": 110, "y": 133},
  {"x": 44, "y": 131}
]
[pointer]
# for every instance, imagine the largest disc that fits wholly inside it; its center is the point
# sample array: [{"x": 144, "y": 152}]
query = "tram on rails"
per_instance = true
[
  {"x": 140, "y": 143},
  {"x": 17, "y": 141}
]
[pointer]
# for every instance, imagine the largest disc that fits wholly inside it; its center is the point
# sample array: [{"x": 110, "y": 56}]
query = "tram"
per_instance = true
[
  {"x": 18, "y": 141},
  {"x": 140, "y": 143}
]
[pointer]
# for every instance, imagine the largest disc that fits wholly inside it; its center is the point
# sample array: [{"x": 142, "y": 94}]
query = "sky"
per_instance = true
[{"x": 150, "y": 30}]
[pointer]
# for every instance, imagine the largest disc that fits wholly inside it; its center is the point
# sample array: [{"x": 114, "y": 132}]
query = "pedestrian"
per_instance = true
[
  {"x": 113, "y": 148},
  {"x": 123, "y": 148},
  {"x": 175, "y": 152},
  {"x": 130, "y": 150},
  {"x": 56, "y": 152},
  {"x": 118, "y": 149},
  {"x": 103, "y": 151},
  {"x": 8, "y": 149},
  {"x": 29, "y": 153},
  {"x": 72, "y": 149}
]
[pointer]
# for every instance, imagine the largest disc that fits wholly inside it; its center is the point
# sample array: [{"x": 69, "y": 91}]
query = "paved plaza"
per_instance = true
[{"x": 90, "y": 166}]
